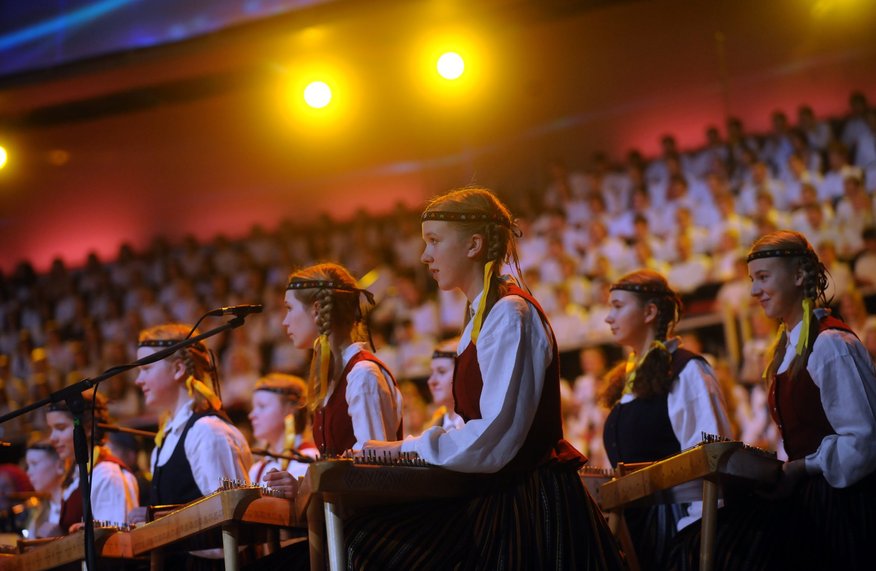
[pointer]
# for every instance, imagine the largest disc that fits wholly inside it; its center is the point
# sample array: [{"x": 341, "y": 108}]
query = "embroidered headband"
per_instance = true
[
  {"x": 445, "y": 216},
  {"x": 329, "y": 284},
  {"x": 641, "y": 288},
  {"x": 168, "y": 343},
  {"x": 443, "y": 354},
  {"x": 779, "y": 253},
  {"x": 285, "y": 391}
]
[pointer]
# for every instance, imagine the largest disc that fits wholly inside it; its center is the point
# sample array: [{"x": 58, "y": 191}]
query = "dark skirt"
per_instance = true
[
  {"x": 652, "y": 530},
  {"x": 817, "y": 527},
  {"x": 542, "y": 519}
]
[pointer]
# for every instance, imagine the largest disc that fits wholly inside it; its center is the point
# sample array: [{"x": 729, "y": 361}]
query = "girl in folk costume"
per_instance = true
[
  {"x": 46, "y": 471},
  {"x": 114, "y": 489},
  {"x": 822, "y": 396},
  {"x": 196, "y": 445},
  {"x": 352, "y": 394},
  {"x": 278, "y": 420},
  {"x": 533, "y": 511},
  {"x": 662, "y": 400},
  {"x": 441, "y": 386},
  {"x": 823, "y": 399}
]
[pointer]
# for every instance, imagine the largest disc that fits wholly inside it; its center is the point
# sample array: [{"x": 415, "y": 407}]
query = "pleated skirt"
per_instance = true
[
  {"x": 542, "y": 519},
  {"x": 652, "y": 530},
  {"x": 818, "y": 527}
]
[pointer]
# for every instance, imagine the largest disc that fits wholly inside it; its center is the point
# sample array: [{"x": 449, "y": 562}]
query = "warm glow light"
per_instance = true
[
  {"x": 3, "y": 157},
  {"x": 317, "y": 94},
  {"x": 450, "y": 65}
]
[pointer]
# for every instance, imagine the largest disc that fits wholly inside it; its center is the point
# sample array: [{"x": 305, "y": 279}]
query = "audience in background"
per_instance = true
[{"x": 689, "y": 213}]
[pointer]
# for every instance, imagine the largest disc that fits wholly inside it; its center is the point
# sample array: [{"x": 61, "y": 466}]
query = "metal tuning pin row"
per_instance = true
[
  {"x": 607, "y": 472},
  {"x": 708, "y": 438},
  {"x": 100, "y": 523},
  {"x": 269, "y": 491},
  {"x": 385, "y": 458},
  {"x": 229, "y": 484}
]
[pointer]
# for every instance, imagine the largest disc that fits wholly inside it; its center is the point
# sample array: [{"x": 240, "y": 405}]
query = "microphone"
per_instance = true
[{"x": 236, "y": 310}]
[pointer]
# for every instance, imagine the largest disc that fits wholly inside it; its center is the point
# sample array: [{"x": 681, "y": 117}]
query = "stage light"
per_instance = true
[
  {"x": 317, "y": 94},
  {"x": 3, "y": 157},
  {"x": 451, "y": 65}
]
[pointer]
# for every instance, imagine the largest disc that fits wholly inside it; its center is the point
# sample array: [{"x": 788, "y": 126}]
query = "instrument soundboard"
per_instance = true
[
  {"x": 398, "y": 481},
  {"x": 41, "y": 554},
  {"x": 664, "y": 481},
  {"x": 248, "y": 505}
]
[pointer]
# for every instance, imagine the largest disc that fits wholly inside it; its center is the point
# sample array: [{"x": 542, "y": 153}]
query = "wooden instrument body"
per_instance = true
[
  {"x": 234, "y": 506},
  {"x": 679, "y": 477},
  {"x": 41, "y": 554},
  {"x": 701, "y": 473}
]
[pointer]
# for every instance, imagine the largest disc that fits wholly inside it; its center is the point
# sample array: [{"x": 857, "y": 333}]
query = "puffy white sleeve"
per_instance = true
[
  {"x": 514, "y": 349},
  {"x": 373, "y": 402},
  {"x": 113, "y": 494},
  {"x": 843, "y": 371},
  {"x": 216, "y": 450},
  {"x": 696, "y": 405}
]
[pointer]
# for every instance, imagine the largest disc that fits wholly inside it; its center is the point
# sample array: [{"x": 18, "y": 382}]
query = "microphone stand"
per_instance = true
[{"x": 72, "y": 395}]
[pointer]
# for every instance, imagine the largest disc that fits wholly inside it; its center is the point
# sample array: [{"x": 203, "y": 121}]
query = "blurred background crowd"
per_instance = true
[{"x": 689, "y": 213}]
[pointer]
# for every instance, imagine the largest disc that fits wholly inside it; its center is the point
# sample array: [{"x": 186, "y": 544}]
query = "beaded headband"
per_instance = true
[
  {"x": 443, "y": 354},
  {"x": 778, "y": 253},
  {"x": 61, "y": 406},
  {"x": 285, "y": 391},
  {"x": 168, "y": 343},
  {"x": 445, "y": 216},
  {"x": 641, "y": 288},
  {"x": 329, "y": 284}
]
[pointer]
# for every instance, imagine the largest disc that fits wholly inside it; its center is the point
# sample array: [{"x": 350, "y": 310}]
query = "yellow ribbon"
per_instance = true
[
  {"x": 162, "y": 423},
  {"x": 482, "y": 304},
  {"x": 193, "y": 386},
  {"x": 803, "y": 339},
  {"x": 288, "y": 439},
  {"x": 318, "y": 386},
  {"x": 630, "y": 373},
  {"x": 95, "y": 455},
  {"x": 633, "y": 365}
]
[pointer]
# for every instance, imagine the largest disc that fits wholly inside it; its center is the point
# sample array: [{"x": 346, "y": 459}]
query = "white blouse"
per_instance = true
[
  {"x": 214, "y": 448},
  {"x": 514, "y": 350},
  {"x": 373, "y": 401},
  {"x": 114, "y": 492},
  {"x": 844, "y": 374}
]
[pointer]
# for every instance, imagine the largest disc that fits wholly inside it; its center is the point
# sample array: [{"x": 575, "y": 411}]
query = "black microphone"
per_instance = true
[{"x": 237, "y": 310}]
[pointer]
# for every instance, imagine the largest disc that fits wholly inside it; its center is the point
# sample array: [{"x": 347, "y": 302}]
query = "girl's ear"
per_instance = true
[
  {"x": 799, "y": 276},
  {"x": 475, "y": 245},
  {"x": 650, "y": 310},
  {"x": 179, "y": 370}
]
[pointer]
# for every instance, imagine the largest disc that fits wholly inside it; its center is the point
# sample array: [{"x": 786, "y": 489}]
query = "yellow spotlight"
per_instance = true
[
  {"x": 318, "y": 94},
  {"x": 451, "y": 65},
  {"x": 3, "y": 157}
]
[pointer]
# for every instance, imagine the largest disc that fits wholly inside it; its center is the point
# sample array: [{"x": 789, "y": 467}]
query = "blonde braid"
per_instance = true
[{"x": 321, "y": 365}]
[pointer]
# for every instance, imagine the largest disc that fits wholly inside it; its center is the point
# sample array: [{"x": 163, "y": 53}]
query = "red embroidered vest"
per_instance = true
[
  {"x": 332, "y": 425},
  {"x": 795, "y": 405},
  {"x": 544, "y": 442}
]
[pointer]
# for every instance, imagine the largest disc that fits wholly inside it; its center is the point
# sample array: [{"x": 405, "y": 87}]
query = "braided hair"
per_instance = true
[
  {"x": 195, "y": 358},
  {"x": 793, "y": 249},
  {"x": 476, "y": 210},
  {"x": 339, "y": 313},
  {"x": 652, "y": 376}
]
